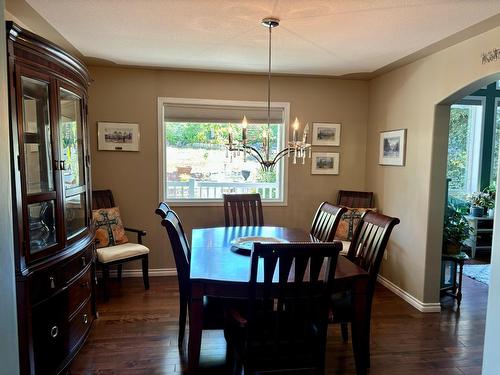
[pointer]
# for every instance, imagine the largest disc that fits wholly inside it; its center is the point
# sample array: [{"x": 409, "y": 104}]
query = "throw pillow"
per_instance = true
[
  {"x": 109, "y": 227},
  {"x": 348, "y": 223}
]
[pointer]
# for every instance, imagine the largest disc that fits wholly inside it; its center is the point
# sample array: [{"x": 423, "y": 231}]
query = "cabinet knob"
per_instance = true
[
  {"x": 84, "y": 262},
  {"x": 52, "y": 282},
  {"x": 85, "y": 319},
  {"x": 54, "y": 331}
]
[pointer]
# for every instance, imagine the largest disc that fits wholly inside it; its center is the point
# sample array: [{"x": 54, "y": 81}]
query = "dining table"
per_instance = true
[{"x": 217, "y": 270}]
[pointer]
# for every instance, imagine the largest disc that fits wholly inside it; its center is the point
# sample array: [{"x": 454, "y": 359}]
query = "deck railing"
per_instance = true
[{"x": 194, "y": 189}]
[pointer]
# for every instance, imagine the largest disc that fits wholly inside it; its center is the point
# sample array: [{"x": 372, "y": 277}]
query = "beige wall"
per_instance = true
[
  {"x": 407, "y": 98},
  {"x": 130, "y": 95}
]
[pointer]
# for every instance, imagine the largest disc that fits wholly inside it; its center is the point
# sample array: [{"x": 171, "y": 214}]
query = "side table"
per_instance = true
[{"x": 452, "y": 287}]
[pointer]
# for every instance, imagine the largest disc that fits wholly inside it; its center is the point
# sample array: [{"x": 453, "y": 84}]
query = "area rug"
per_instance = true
[{"x": 479, "y": 272}]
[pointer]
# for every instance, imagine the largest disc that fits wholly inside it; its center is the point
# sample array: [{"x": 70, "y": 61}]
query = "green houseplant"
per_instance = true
[{"x": 456, "y": 230}]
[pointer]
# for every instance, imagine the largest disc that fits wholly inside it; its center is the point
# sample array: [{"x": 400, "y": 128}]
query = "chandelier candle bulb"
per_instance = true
[
  {"x": 305, "y": 134},
  {"x": 244, "y": 124},
  {"x": 295, "y": 129}
]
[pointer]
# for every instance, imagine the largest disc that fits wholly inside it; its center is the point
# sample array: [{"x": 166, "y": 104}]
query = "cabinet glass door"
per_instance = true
[
  {"x": 38, "y": 165},
  {"x": 36, "y": 130},
  {"x": 72, "y": 162}
]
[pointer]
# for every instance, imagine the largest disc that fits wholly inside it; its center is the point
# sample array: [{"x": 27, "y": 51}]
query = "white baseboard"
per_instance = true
[
  {"x": 153, "y": 272},
  {"x": 416, "y": 303},
  {"x": 419, "y": 305}
]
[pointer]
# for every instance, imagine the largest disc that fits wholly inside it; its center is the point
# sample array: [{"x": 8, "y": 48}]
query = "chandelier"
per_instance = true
[{"x": 300, "y": 149}]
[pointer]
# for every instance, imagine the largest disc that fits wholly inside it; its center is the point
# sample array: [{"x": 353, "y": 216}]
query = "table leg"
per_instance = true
[
  {"x": 360, "y": 326},
  {"x": 459, "y": 292},
  {"x": 195, "y": 327}
]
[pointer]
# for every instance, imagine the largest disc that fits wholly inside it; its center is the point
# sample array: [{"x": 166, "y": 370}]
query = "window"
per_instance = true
[
  {"x": 464, "y": 146},
  {"x": 494, "y": 158},
  {"x": 195, "y": 166}
]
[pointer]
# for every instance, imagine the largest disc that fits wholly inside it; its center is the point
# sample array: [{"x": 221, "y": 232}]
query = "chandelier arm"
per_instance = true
[
  {"x": 256, "y": 154},
  {"x": 282, "y": 153}
]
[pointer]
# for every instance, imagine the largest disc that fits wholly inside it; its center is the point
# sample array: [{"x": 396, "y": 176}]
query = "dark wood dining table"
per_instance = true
[{"x": 218, "y": 271}]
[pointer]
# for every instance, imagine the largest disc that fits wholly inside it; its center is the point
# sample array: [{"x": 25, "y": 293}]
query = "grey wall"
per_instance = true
[{"x": 9, "y": 357}]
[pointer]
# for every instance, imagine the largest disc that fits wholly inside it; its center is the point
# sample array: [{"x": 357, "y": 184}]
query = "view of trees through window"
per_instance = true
[
  {"x": 459, "y": 148},
  {"x": 198, "y": 165},
  {"x": 494, "y": 166}
]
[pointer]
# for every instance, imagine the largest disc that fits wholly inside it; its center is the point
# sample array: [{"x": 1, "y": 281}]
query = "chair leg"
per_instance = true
[
  {"x": 183, "y": 304},
  {"x": 105, "y": 281},
  {"x": 344, "y": 331},
  {"x": 145, "y": 270},
  {"x": 119, "y": 272}
]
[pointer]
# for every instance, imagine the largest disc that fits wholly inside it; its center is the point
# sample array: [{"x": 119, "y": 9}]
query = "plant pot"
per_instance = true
[
  {"x": 476, "y": 211},
  {"x": 491, "y": 212},
  {"x": 452, "y": 248}
]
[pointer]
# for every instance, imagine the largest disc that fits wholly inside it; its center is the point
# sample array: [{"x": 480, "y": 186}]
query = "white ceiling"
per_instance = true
[{"x": 317, "y": 37}]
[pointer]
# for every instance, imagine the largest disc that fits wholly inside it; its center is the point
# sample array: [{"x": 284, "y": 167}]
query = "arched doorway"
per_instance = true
[{"x": 436, "y": 213}]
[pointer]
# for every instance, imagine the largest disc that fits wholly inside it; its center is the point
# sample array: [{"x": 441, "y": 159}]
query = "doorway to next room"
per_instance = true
[{"x": 472, "y": 164}]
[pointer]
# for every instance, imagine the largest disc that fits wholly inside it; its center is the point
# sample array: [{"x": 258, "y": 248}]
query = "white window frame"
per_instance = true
[
  {"x": 162, "y": 152},
  {"x": 475, "y": 143}
]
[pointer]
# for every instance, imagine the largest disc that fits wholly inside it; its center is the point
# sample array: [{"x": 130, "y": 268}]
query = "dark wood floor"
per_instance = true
[{"x": 137, "y": 334}]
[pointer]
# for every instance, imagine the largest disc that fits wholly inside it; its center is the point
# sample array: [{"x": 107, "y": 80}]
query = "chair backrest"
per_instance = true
[
  {"x": 326, "y": 221},
  {"x": 178, "y": 242},
  {"x": 369, "y": 242},
  {"x": 289, "y": 316},
  {"x": 243, "y": 210},
  {"x": 102, "y": 199},
  {"x": 357, "y": 199}
]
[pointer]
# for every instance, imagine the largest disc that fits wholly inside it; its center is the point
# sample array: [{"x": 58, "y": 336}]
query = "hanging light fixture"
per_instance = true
[{"x": 299, "y": 148}]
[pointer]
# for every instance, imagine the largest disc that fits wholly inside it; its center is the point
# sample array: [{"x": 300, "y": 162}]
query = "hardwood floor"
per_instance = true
[{"x": 136, "y": 333}]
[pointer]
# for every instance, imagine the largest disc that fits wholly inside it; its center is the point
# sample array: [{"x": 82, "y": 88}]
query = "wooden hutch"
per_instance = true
[{"x": 54, "y": 238}]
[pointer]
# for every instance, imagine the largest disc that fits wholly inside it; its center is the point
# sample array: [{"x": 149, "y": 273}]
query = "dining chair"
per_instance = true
[
  {"x": 326, "y": 220},
  {"x": 284, "y": 326},
  {"x": 366, "y": 250},
  {"x": 119, "y": 254},
  {"x": 213, "y": 308},
  {"x": 357, "y": 199},
  {"x": 243, "y": 210}
]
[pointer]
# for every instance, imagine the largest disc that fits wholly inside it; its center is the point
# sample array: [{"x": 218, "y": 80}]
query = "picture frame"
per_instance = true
[
  {"x": 117, "y": 136},
  {"x": 325, "y": 163},
  {"x": 392, "y": 149},
  {"x": 326, "y": 134}
]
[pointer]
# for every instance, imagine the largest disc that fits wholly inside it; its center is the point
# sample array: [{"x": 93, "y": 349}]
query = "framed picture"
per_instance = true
[
  {"x": 392, "y": 147},
  {"x": 118, "y": 136},
  {"x": 325, "y": 134},
  {"x": 325, "y": 163}
]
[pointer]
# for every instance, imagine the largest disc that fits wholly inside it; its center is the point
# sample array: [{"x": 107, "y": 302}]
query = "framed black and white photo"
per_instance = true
[
  {"x": 325, "y": 163},
  {"x": 118, "y": 136},
  {"x": 325, "y": 134},
  {"x": 392, "y": 147}
]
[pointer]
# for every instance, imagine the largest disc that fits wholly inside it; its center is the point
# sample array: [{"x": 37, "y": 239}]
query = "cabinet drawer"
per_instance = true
[
  {"x": 79, "y": 291},
  {"x": 79, "y": 324},
  {"x": 485, "y": 224},
  {"x": 50, "y": 334},
  {"x": 47, "y": 282}
]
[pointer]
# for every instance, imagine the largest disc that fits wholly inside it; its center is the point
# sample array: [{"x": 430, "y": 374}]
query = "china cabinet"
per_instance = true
[{"x": 54, "y": 239}]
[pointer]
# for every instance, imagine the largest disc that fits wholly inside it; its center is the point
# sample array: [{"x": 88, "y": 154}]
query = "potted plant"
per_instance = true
[
  {"x": 456, "y": 230},
  {"x": 481, "y": 201},
  {"x": 491, "y": 191}
]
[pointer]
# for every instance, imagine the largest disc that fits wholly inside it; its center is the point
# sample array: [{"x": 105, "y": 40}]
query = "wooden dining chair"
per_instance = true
[
  {"x": 366, "y": 250},
  {"x": 243, "y": 210},
  {"x": 284, "y": 327},
  {"x": 119, "y": 254},
  {"x": 356, "y": 199},
  {"x": 326, "y": 220},
  {"x": 213, "y": 308}
]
